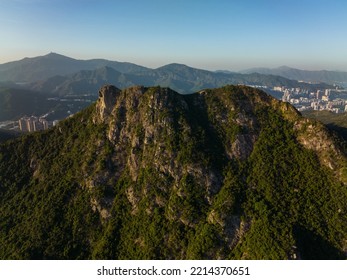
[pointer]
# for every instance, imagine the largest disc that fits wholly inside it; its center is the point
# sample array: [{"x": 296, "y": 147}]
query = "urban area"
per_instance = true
[
  {"x": 33, "y": 123},
  {"x": 333, "y": 100}
]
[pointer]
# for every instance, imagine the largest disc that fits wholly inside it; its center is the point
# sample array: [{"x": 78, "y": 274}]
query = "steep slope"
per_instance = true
[{"x": 147, "y": 173}]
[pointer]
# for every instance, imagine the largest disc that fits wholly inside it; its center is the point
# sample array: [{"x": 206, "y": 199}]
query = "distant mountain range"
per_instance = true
[
  {"x": 60, "y": 75},
  {"x": 43, "y": 67},
  {"x": 179, "y": 77},
  {"x": 25, "y": 84},
  {"x": 322, "y": 76}
]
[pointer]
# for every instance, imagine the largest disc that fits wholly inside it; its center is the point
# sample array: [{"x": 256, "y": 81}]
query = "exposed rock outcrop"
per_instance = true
[{"x": 107, "y": 99}]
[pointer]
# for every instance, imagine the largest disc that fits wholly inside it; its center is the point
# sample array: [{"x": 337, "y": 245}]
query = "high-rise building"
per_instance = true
[
  {"x": 318, "y": 94},
  {"x": 37, "y": 125},
  {"x": 22, "y": 124},
  {"x": 44, "y": 123},
  {"x": 32, "y": 123}
]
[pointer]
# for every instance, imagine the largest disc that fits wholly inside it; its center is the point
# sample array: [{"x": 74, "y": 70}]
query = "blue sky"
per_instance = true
[{"x": 209, "y": 34}]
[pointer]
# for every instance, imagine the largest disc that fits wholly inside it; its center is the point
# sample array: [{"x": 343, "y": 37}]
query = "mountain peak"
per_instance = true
[
  {"x": 173, "y": 66},
  {"x": 57, "y": 56},
  {"x": 52, "y": 54}
]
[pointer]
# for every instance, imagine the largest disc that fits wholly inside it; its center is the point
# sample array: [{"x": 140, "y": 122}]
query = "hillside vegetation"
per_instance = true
[{"x": 147, "y": 173}]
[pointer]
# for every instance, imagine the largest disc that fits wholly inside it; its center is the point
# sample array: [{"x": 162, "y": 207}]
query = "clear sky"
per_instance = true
[{"x": 209, "y": 34}]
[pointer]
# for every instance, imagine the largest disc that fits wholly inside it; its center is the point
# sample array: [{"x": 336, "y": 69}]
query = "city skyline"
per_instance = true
[{"x": 213, "y": 35}]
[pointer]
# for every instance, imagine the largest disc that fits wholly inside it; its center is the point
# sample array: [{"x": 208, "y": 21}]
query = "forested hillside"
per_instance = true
[{"x": 147, "y": 173}]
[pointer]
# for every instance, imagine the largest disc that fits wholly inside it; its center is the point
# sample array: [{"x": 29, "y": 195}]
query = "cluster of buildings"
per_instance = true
[
  {"x": 30, "y": 124},
  {"x": 319, "y": 100}
]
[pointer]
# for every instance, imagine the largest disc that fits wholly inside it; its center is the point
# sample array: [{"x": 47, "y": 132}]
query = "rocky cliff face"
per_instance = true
[
  {"x": 224, "y": 173},
  {"x": 107, "y": 98},
  {"x": 140, "y": 117}
]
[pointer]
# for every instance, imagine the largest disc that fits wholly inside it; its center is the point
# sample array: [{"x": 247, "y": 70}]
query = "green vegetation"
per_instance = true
[
  {"x": 288, "y": 190},
  {"x": 336, "y": 122},
  {"x": 219, "y": 174}
]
